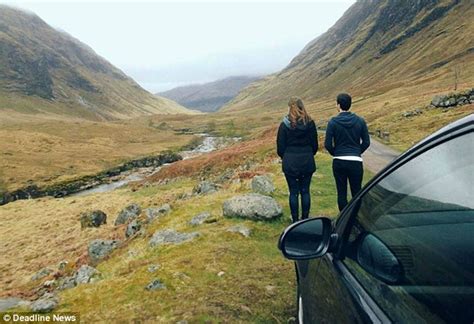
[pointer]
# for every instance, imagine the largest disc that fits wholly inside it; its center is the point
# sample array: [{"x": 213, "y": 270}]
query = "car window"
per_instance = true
[{"x": 411, "y": 244}]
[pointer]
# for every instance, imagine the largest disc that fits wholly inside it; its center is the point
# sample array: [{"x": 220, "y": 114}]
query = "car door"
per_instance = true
[{"x": 405, "y": 250}]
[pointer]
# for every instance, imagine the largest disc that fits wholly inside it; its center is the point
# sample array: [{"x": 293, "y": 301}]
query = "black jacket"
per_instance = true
[
  {"x": 346, "y": 135},
  {"x": 297, "y": 147}
]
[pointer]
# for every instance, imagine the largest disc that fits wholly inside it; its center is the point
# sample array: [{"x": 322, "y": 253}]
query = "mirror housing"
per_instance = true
[
  {"x": 378, "y": 260},
  {"x": 306, "y": 239}
]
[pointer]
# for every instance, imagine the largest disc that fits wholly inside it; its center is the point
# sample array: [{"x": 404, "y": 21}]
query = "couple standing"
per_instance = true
[{"x": 347, "y": 138}]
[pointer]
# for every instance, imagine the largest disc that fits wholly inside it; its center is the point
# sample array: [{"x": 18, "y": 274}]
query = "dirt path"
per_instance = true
[{"x": 378, "y": 156}]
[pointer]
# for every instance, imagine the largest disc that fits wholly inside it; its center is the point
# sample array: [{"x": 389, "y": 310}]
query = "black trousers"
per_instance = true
[
  {"x": 299, "y": 186},
  {"x": 344, "y": 171}
]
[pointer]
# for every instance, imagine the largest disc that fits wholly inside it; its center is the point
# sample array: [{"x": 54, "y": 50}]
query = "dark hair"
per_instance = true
[{"x": 344, "y": 101}]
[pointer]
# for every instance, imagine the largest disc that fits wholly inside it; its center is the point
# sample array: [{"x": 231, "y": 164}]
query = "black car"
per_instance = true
[{"x": 403, "y": 249}]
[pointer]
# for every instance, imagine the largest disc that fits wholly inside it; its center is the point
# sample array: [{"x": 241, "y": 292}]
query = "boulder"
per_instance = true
[
  {"x": 41, "y": 274},
  {"x": 10, "y": 302},
  {"x": 155, "y": 284},
  {"x": 45, "y": 303},
  {"x": 99, "y": 249},
  {"x": 66, "y": 283},
  {"x": 153, "y": 213},
  {"x": 199, "y": 218},
  {"x": 128, "y": 214},
  {"x": 133, "y": 228},
  {"x": 86, "y": 274},
  {"x": 170, "y": 237},
  {"x": 262, "y": 184},
  {"x": 93, "y": 218},
  {"x": 205, "y": 187},
  {"x": 245, "y": 231},
  {"x": 437, "y": 100},
  {"x": 252, "y": 206}
]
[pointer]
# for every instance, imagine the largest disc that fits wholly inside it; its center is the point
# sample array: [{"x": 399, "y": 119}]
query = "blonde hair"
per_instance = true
[{"x": 297, "y": 112}]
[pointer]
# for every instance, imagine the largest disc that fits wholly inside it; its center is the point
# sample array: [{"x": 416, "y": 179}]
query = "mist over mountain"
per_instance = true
[
  {"x": 43, "y": 70},
  {"x": 208, "y": 97},
  {"x": 374, "y": 48}
]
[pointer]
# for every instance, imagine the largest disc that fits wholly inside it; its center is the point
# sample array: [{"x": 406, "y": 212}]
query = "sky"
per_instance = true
[{"x": 167, "y": 44}]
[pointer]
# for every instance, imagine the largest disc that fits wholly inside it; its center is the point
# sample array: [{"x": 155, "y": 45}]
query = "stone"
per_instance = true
[
  {"x": 240, "y": 229},
  {"x": 155, "y": 284},
  {"x": 153, "y": 213},
  {"x": 41, "y": 274},
  {"x": 128, "y": 214},
  {"x": 133, "y": 228},
  {"x": 205, "y": 187},
  {"x": 99, "y": 249},
  {"x": 44, "y": 304},
  {"x": 170, "y": 237},
  {"x": 252, "y": 206},
  {"x": 93, "y": 218},
  {"x": 66, "y": 283},
  {"x": 437, "y": 100},
  {"x": 10, "y": 302},
  {"x": 221, "y": 273},
  {"x": 200, "y": 218},
  {"x": 86, "y": 274},
  {"x": 262, "y": 184},
  {"x": 153, "y": 268}
]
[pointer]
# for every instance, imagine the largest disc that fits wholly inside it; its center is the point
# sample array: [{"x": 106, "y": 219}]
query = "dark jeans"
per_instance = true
[
  {"x": 343, "y": 171},
  {"x": 299, "y": 186}
]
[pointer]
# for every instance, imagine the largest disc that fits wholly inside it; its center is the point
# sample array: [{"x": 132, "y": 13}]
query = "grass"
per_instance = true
[{"x": 258, "y": 284}]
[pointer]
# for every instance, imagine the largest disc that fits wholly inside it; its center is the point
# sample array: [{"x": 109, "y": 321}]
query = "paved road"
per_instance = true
[{"x": 378, "y": 155}]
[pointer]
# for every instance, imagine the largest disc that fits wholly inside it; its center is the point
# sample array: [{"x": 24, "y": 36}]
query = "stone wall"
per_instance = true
[{"x": 453, "y": 99}]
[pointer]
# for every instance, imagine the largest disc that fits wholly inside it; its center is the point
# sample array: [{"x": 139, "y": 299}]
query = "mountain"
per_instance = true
[
  {"x": 209, "y": 97},
  {"x": 46, "y": 71},
  {"x": 395, "y": 52}
]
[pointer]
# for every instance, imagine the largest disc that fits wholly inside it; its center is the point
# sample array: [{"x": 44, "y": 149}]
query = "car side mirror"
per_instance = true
[
  {"x": 377, "y": 259},
  {"x": 306, "y": 239}
]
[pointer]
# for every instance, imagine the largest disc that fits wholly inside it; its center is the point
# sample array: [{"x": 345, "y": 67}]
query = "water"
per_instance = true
[{"x": 209, "y": 144}]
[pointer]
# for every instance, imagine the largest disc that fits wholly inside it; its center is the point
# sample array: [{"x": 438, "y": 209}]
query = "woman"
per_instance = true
[{"x": 297, "y": 143}]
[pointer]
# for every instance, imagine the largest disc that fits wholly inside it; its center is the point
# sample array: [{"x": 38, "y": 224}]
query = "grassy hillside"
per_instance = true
[
  {"x": 255, "y": 284},
  {"x": 45, "y": 71},
  {"x": 392, "y": 56},
  {"x": 208, "y": 97}
]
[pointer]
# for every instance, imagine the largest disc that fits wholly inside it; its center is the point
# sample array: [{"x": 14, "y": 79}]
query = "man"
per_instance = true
[{"x": 347, "y": 138}]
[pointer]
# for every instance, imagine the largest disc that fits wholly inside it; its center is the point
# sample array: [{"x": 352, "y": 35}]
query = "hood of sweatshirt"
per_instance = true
[
  {"x": 299, "y": 125},
  {"x": 346, "y": 119}
]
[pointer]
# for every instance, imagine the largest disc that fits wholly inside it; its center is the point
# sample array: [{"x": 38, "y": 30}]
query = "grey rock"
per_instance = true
[
  {"x": 153, "y": 213},
  {"x": 66, "y": 283},
  {"x": 252, "y": 206},
  {"x": 86, "y": 274},
  {"x": 128, "y": 214},
  {"x": 45, "y": 303},
  {"x": 133, "y": 228},
  {"x": 10, "y": 302},
  {"x": 200, "y": 218},
  {"x": 245, "y": 231},
  {"x": 170, "y": 237},
  {"x": 99, "y": 249},
  {"x": 437, "y": 100},
  {"x": 93, "y": 218},
  {"x": 41, "y": 274},
  {"x": 262, "y": 184},
  {"x": 205, "y": 187},
  {"x": 153, "y": 267},
  {"x": 155, "y": 284}
]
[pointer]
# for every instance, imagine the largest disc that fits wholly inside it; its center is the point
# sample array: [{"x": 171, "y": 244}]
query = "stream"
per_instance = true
[{"x": 209, "y": 144}]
